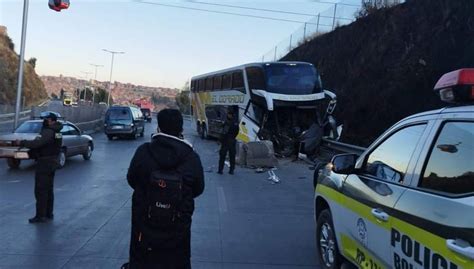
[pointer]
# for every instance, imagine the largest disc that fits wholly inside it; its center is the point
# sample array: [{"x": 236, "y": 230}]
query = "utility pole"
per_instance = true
[
  {"x": 95, "y": 80},
  {"x": 111, "y": 69},
  {"x": 85, "y": 86},
  {"x": 21, "y": 64}
]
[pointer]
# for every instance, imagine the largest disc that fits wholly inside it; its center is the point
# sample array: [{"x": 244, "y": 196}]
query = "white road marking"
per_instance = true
[{"x": 221, "y": 200}]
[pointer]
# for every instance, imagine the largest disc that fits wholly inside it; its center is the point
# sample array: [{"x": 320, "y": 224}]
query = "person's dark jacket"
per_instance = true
[
  {"x": 49, "y": 142},
  {"x": 230, "y": 131},
  {"x": 169, "y": 153}
]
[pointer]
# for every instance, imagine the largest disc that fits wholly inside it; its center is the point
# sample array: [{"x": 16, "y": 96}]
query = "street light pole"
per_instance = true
[
  {"x": 95, "y": 80},
  {"x": 111, "y": 69},
  {"x": 85, "y": 85},
  {"x": 20, "y": 69}
]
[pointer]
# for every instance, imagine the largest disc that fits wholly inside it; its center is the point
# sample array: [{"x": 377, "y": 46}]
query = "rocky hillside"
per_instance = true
[
  {"x": 383, "y": 67},
  {"x": 33, "y": 89}
]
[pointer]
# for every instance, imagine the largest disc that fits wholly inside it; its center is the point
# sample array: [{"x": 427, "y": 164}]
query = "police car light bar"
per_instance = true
[{"x": 456, "y": 86}]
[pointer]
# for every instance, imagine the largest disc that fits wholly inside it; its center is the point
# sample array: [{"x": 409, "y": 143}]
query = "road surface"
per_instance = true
[{"x": 241, "y": 221}]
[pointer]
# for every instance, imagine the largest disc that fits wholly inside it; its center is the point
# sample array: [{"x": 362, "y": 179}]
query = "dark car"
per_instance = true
[
  {"x": 124, "y": 121},
  {"x": 74, "y": 143},
  {"x": 146, "y": 114}
]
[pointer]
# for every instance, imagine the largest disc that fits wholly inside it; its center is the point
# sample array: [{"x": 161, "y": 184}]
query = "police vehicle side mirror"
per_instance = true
[{"x": 344, "y": 163}]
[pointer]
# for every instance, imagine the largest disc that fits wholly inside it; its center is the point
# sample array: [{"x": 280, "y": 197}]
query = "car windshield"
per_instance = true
[
  {"x": 29, "y": 127},
  {"x": 292, "y": 79}
]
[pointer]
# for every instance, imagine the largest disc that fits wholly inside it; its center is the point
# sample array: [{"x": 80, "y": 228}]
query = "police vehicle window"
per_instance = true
[
  {"x": 209, "y": 84},
  {"x": 217, "y": 83},
  {"x": 255, "y": 78},
  {"x": 389, "y": 160},
  {"x": 238, "y": 81},
  {"x": 226, "y": 81},
  {"x": 450, "y": 166}
]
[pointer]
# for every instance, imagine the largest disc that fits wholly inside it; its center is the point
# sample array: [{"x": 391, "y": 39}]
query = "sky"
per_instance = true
[{"x": 163, "y": 46}]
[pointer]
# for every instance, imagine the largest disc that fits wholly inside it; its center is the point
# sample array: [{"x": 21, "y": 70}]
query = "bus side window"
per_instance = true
[
  {"x": 201, "y": 85},
  {"x": 226, "y": 81},
  {"x": 255, "y": 78},
  {"x": 209, "y": 84},
  {"x": 217, "y": 83},
  {"x": 238, "y": 81}
]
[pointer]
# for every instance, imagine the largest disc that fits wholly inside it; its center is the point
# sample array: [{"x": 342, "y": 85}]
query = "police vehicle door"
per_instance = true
[
  {"x": 434, "y": 227},
  {"x": 370, "y": 195}
]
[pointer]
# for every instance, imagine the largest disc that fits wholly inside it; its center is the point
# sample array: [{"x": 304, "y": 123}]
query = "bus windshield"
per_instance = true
[{"x": 292, "y": 79}]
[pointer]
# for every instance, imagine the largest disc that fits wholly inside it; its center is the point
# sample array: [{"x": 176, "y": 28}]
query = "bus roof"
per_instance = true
[{"x": 241, "y": 67}]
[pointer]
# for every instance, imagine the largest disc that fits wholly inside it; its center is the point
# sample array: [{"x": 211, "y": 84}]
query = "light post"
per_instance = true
[
  {"x": 95, "y": 80},
  {"x": 20, "y": 69},
  {"x": 111, "y": 69},
  {"x": 85, "y": 85}
]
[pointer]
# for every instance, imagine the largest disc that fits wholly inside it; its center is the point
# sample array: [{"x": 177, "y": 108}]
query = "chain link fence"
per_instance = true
[{"x": 339, "y": 14}]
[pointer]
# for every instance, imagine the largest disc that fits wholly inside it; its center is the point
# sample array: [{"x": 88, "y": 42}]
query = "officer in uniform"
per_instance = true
[
  {"x": 46, "y": 149},
  {"x": 228, "y": 142}
]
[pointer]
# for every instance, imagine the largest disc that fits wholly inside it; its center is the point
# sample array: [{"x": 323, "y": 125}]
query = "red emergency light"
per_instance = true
[
  {"x": 456, "y": 86},
  {"x": 58, "y": 5}
]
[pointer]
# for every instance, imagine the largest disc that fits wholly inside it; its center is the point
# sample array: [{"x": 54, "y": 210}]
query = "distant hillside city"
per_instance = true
[{"x": 122, "y": 93}]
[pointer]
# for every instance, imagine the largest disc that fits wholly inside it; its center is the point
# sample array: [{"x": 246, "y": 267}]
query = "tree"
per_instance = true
[
  {"x": 371, "y": 6},
  {"x": 32, "y": 62},
  {"x": 183, "y": 102}
]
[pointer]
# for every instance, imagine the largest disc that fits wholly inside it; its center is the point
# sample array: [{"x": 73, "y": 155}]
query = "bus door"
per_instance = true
[{"x": 250, "y": 123}]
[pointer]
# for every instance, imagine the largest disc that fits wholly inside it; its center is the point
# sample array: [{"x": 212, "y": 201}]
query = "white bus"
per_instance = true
[{"x": 274, "y": 101}]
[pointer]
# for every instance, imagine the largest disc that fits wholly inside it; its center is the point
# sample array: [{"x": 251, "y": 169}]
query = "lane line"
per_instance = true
[{"x": 221, "y": 200}]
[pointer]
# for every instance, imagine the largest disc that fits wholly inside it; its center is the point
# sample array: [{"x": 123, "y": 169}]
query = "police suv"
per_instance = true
[{"x": 407, "y": 202}]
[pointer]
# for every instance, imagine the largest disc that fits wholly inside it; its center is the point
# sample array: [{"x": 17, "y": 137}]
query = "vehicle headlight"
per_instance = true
[{"x": 131, "y": 124}]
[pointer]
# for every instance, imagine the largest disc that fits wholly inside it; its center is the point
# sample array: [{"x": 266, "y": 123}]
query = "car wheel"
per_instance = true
[
  {"x": 134, "y": 135},
  {"x": 62, "y": 158},
  {"x": 110, "y": 137},
  {"x": 88, "y": 154},
  {"x": 13, "y": 163},
  {"x": 326, "y": 242}
]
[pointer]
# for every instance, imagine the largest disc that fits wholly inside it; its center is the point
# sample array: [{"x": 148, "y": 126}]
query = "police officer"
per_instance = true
[
  {"x": 46, "y": 148},
  {"x": 228, "y": 142}
]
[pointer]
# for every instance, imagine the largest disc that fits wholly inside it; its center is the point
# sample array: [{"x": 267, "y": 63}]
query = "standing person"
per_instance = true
[
  {"x": 47, "y": 148},
  {"x": 166, "y": 175},
  {"x": 228, "y": 142}
]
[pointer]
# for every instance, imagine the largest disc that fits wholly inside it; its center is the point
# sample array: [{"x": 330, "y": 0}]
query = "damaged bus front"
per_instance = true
[{"x": 279, "y": 101}]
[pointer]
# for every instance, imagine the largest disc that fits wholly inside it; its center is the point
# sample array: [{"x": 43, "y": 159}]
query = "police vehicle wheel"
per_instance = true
[
  {"x": 88, "y": 154},
  {"x": 62, "y": 158},
  {"x": 13, "y": 163},
  {"x": 329, "y": 255}
]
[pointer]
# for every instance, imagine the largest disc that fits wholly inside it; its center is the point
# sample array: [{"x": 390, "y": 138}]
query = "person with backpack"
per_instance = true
[{"x": 166, "y": 175}]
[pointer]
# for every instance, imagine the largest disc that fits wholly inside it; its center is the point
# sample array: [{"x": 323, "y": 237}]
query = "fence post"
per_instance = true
[
  {"x": 304, "y": 33},
  {"x": 291, "y": 37},
  {"x": 334, "y": 17},
  {"x": 275, "y": 56},
  {"x": 317, "y": 24}
]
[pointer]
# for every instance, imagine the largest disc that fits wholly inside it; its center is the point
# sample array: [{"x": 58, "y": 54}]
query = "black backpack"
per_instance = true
[{"x": 164, "y": 225}]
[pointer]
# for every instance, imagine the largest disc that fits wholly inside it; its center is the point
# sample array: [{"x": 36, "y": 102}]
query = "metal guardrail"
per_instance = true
[
  {"x": 10, "y": 115},
  {"x": 342, "y": 147}
]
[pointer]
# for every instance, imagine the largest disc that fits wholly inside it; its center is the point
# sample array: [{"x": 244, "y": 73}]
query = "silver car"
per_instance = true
[{"x": 74, "y": 143}]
